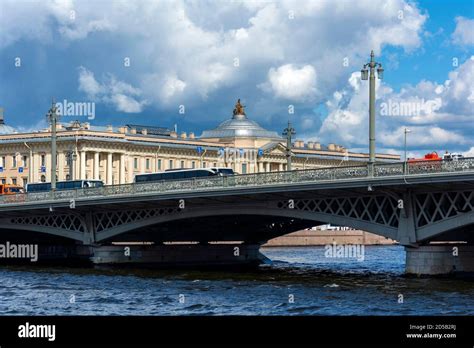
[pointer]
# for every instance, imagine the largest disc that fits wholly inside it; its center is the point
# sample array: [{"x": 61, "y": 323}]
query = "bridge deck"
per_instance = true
[{"x": 282, "y": 183}]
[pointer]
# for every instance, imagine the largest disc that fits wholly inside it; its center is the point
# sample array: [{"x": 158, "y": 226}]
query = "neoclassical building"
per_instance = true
[{"x": 116, "y": 154}]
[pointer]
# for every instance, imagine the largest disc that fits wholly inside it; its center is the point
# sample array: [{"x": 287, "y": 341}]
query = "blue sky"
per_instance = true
[{"x": 288, "y": 53}]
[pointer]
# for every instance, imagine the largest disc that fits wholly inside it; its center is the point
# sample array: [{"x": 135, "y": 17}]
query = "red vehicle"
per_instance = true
[
  {"x": 432, "y": 156},
  {"x": 7, "y": 189},
  {"x": 431, "y": 162}
]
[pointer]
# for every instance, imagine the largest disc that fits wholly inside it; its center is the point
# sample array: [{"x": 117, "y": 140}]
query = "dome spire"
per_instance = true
[{"x": 239, "y": 110}]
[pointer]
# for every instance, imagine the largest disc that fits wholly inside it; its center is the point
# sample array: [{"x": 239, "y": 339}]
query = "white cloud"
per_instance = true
[
  {"x": 464, "y": 32},
  {"x": 88, "y": 83},
  {"x": 172, "y": 86},
  {"x": 443, "y": 113},
  {"x": 123, "y": 96},
  {"x": 199, "y": 43},
  {"x": 469, "y": 153},
  {"x": 125, "y": 103},
  {"x": 289, "y": 82}
]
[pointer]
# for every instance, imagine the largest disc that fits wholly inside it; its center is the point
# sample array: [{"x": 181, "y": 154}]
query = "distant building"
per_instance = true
[{"x": 116, "y": 154}]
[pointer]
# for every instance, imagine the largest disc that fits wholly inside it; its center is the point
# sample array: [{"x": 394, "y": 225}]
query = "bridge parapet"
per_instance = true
[{"x": 248, "y": 180}]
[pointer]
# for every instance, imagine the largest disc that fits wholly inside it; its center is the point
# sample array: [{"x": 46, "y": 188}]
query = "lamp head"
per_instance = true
[{"x": 380, "y": 73}]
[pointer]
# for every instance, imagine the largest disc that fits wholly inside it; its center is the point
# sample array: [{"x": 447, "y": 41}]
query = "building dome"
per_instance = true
[
  {"x": 239, "y": 126},
  {"x": 4, "y": 129}
]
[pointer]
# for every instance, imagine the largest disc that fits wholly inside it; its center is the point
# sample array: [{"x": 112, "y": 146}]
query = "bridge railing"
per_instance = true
[{"x": 252, "y": 180}]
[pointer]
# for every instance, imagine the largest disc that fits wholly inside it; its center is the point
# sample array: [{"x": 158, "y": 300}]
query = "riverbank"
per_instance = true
[{"x": 323, "y": 237}]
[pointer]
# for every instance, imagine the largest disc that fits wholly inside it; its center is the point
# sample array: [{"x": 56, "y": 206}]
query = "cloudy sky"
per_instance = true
[{"x": 139, "y": 61}]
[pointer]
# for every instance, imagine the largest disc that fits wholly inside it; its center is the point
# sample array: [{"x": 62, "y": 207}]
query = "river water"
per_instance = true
[{"x": 300, "y": 281}]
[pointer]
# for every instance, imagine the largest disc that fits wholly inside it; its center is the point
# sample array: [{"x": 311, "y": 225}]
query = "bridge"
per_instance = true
[{"x": 428, "y": 208}]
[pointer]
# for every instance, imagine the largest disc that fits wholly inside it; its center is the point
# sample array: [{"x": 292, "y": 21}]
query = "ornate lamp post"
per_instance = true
[
  {"x": 289, "y": 131},
  {"x": 406, "y": 163},
  {"x": 406, "y": 132},
  {"x": 53, "y": 118},
  {"x": 71, "y": 159},
  {"x": 365, "y": 75}
]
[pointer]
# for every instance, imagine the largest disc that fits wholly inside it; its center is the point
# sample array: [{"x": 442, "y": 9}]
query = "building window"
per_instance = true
[
  {"x": 171, "y": 164},
  {"x": 204, "y": 164},
  {"x": 135, "y": 163},
  {"x": 182, "y": 164},
  {"x": 4, "y": 162},
  {"x": 193, "y": 164},
  {"x": 4, "y": 181},
  {"x": 43, "y": 160},
  {"x": 43, "y": 178},
  {"x": 14, "y": 161},
  {"x": 14, "y": 181},
  {"x": 159, "y": 164},
  {"x": 244, "y": 168},
  {"x": 147, "y": 164},
  {"x": 25, "y": 181},
  {"x": 25, "y": 161}
]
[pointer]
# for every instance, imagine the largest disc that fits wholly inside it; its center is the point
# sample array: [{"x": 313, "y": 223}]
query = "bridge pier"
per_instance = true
[
  {"x": 176, "y": 255},
  {"x": 445, "y": 259}
]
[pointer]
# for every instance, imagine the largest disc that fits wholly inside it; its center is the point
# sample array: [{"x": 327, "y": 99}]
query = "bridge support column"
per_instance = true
[
  {"x": 179, "y": 255},
  {"x": 406, "y": 234},
  {"x": 443, "y": 259}
]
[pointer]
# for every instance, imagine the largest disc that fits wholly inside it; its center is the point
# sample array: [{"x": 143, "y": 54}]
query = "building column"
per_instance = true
[
  {"x": 280, "y": 167},
  {"x": 82, "y": 175},
  {"x": 122, "y": 179},
  {"x": 61, "y": 160},
  {"x": 34, "y": 168},
  {"x": 109, "y": 168},
  {"x": 251, "y": 167},
  {"x": 96, "y": 166},
  {"x": 141, "y": 164},
  {"x": 130, "y": 168},
  {"x": 48, "y": 167},
  {"x": 77, "y": 167},
  {"x": 267, "y": 164},
  {"x": 260, "y": 167}
]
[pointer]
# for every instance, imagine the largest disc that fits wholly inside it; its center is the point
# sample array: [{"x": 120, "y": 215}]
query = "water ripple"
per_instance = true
[{"x": 315, "y": 284}]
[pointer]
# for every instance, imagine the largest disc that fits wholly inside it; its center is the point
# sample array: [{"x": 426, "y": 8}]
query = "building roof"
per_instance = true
[
  {"x": 151, "y": 130},
  {"x": 239, "y": 126}
]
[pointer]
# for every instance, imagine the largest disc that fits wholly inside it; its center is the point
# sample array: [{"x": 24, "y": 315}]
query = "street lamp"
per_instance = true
[
  {"x": 365, "y": 76},
  {"x": 53, "y": 118},
  {"x": 288, "y": 131},
  {"x": 71, "y": 159},
  {"x": 406, "y": 132},
  {"x": 405, "y": 164}
]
